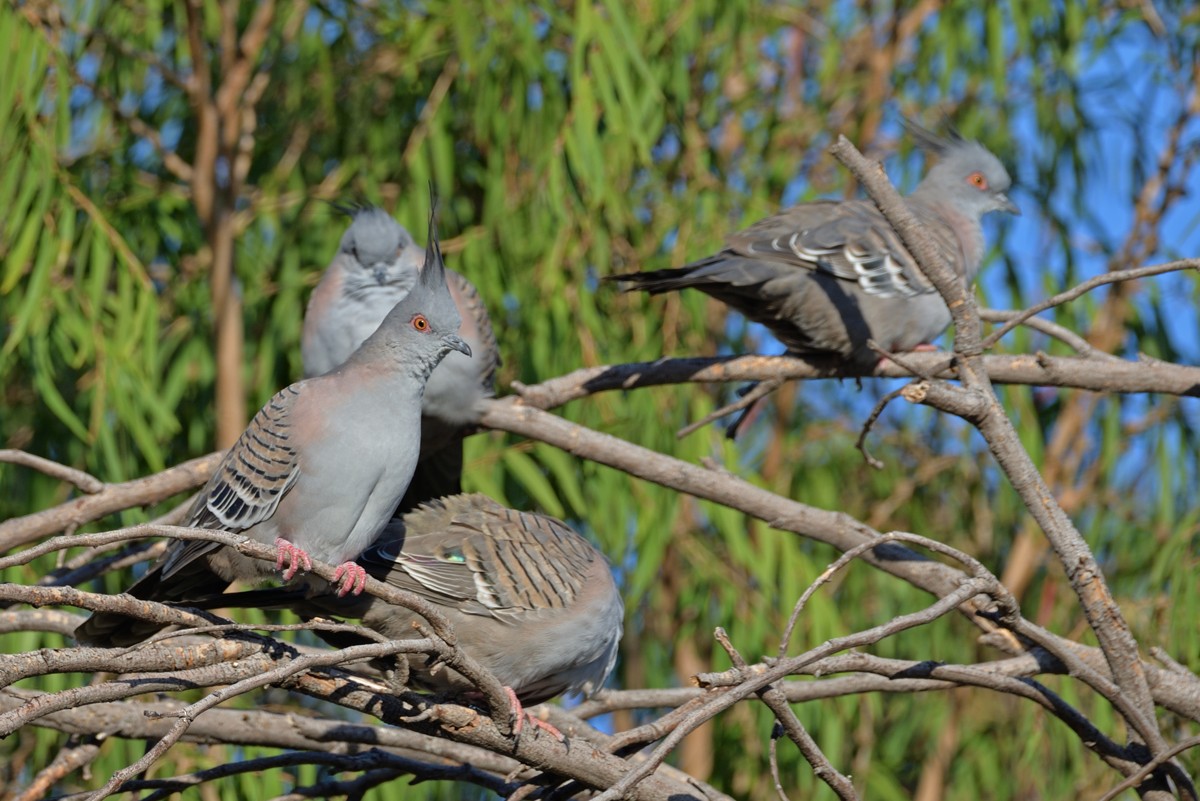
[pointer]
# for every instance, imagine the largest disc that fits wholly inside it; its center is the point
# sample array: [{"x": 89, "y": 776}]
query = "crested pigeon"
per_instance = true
[
  {"x": 321, "y": 467},
  {"x": 376, "y": 265}
]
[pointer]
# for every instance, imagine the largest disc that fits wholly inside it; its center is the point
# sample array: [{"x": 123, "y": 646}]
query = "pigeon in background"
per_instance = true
[
  {"x": 376, "y": 265},
  {"x": 827, "y": 276},
  {"x": 320, "y": 469}
]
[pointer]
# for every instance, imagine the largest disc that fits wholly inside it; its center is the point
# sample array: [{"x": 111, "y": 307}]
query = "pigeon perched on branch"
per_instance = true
[
  {"x": 528, "y": 598},
  {"x": 320, "y": 469},
  {"x": 831, "y": 276}
]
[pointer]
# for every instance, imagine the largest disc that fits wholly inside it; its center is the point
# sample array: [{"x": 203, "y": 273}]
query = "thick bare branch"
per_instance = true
[
  {"x": 1039, "y": 369},
  {"x": 1178, "y": 694},
  {"x": 112, "y": 498}
]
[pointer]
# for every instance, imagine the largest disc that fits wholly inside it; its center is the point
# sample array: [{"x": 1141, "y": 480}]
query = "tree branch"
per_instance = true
[
  {"x": 1113, "y": 277},
  {"x": 109, "y": 500},
  {"x": 834, "y": 528},
  {"x": 84, "y": 482},
  {"x": 1094, "y": 373},
  {"x": 1099, "y": 607}
]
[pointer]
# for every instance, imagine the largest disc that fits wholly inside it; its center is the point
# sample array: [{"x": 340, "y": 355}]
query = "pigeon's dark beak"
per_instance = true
[
  {"x": 455, "y": 342},
  {"x": 1008, "y": 205},
  {"x": 381, "y": 275}
]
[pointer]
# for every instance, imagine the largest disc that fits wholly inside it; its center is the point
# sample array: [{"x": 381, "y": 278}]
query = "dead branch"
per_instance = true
[
  {"x": 1113, "y": 277},
  {"x": 109, "y": 500},
  {"x": 394, "y": 765},
  {"x": 84, "y": 482},
  {"x": 77, "y": 753},
  {"x": 986, "y": 413},
  {"x": 1093, "y": 373},
  {"x": 1051, "y": 329},
  {"x": 834, "y": 528},
  {"x": 787, "y": 722}
]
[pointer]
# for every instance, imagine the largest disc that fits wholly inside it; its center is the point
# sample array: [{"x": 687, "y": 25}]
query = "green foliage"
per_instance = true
[{"x": 571, "y": 142}]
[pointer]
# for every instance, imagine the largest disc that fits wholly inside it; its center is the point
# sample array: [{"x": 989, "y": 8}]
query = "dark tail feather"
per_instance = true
[
  {"x": 266, "y": 598},
  {"x": 297, "y": 601},
  {"x": 113, "y": 630},
  {"x": 655, "y": 281}
]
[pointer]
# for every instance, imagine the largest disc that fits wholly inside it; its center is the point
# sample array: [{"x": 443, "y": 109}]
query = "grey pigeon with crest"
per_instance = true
[
  {"x": 528, "y": 598},
  {"x": 827, "y": 276},
  {"x": 321, "y": 467},
  {"x": 376, "y": 265}
]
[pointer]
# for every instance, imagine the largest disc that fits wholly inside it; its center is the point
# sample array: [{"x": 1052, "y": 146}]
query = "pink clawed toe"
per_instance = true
[
  {"x": 350, "y": 578},
  {"x": 293, "y": 557},
  {"x": 521, "y": 716}
]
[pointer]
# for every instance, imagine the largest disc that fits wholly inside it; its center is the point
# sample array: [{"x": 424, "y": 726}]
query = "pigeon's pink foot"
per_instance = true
[
  {"x": 521, "y": 716},
  {"x": 293, "y": 557},
  {"x": 350, "y": 578}
]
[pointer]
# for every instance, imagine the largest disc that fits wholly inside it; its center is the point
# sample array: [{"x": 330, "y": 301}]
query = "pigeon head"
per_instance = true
[
  {"x": 424, "y": 325},
  {"x": 967, "y": 176},
  {"x": 377, "y": 250}
]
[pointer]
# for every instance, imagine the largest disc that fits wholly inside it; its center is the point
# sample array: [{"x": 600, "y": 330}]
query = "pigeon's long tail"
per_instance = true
[
  {"x": 657, "y": 281},
  {"x": 114, "y": 630},
  {"x": 298, "y": 601}
]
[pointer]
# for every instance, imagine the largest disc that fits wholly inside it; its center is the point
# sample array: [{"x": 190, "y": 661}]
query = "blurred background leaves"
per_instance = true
[{"x": 570, "y": 141}]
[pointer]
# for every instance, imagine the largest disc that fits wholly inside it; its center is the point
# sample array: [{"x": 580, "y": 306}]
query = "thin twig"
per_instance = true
[
  {"x": 1145, "y": 770},
  {"x": 1113, "y": 277},
  {"x": 429, "y": 109},
  {"x": 1051, "y": 329},
  {"x": 84, "y": 482},
  {"x": 759, "y": 391},
  {"x": 773, "y": 760},
  {"x": 869, "y": 423},
  {"x": 791, "y": 725}
]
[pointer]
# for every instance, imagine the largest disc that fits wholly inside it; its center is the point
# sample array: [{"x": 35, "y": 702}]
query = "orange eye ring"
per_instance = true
[
  {"x": 977, "y": 180},
  {"x": 420, "y": 323}
]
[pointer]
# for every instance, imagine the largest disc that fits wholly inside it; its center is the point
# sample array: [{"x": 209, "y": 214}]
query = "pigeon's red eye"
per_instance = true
[
  {"x": 420, "y": 323},
  {"x": 977, "y": 180}
]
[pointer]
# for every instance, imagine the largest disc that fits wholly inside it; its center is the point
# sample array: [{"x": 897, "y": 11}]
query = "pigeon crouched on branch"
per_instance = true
[
  {"x": 376, "y": 265},
  {"x": 320, "y": 468},
  {"x": 828, "y": 276},
  {"x": 528, "y": 598}
]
